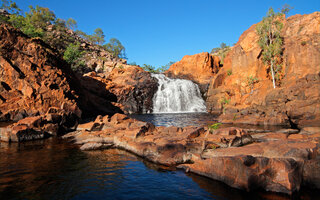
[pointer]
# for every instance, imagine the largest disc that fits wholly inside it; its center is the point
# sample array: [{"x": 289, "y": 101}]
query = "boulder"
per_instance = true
[{"x": 40, "y": 127}]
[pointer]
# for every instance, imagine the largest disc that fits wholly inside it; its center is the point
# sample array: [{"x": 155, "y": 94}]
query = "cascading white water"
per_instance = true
[{"x": 177, "y": 95}]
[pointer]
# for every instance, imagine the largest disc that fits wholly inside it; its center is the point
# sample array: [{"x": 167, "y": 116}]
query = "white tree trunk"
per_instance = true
[{"x": 272, "y": 73}]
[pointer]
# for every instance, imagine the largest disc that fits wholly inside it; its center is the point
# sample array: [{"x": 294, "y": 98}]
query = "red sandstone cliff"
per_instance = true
[
  {"x": 242, "y": 89},
  {"x": 199, "y": 68},
  {"x": 297, "y": 99},
  {"x": 33, "y": 79}
]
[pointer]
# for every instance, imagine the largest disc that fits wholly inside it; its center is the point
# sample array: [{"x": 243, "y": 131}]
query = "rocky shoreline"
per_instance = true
[
  {"x": 281, "y": 161},
  {"x": 40, "y": 92}
]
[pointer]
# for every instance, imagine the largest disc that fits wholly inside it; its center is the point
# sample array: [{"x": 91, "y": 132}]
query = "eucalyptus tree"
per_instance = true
[{"x": 270, "y": 40}]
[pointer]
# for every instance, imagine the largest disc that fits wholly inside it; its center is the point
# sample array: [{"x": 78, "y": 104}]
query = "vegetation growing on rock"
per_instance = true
[
  {"x": 161, "y": 69},
  {"x": 221, "y": 51},
  {"x": 61, "y": 34},
  {"x": 271, "y": 42}
]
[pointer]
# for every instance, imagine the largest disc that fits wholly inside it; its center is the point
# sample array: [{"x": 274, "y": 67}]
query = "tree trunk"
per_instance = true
[{"x": 272, "y": 73}]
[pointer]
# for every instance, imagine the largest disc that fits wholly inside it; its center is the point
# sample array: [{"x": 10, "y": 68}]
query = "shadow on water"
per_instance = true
[{"x": 56, "y": 169}]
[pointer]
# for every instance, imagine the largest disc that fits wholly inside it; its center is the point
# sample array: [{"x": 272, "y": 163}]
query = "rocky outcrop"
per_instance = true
[
  {"x": 132, "y": 86},
  {"x": 94, "y": 57},
  {"x": 33, "y": 78},
  {"x": 242, "y": 89},
  {"x": 279, "y": 162},
  {"x": 55, "y": 122},
  {"x": 199, "y": 68}
]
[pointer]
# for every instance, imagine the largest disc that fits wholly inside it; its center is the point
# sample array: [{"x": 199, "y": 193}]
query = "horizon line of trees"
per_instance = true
[{"x": 153, "y": 69}]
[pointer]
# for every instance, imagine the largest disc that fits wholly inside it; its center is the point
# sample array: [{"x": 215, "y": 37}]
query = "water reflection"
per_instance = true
[
  {"x": 193, "y": 119},
  {"x": 177, "y": 119},
  {"x": 56, "y": 169}
]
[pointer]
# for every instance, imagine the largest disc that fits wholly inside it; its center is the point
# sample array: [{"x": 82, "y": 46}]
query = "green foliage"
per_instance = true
[
  {"x": 149, "y": 68},
  {"x": 34, "y": 23},
  {"x": 286, "y": 8},
  {"x": 10, "y": 6},
  {"x": 60, "y": 25},
  {"x": 97, "y": 37},
  {"x": 221, "y": 51},
  {"x": 214, "y": 127},
  {"x": 303, "y": 43},
  {"x": 153, "y": 69},
  {"x": 252, "y": 80},
  {"x": 164, "y": 68},
  {"x": 270, "y": 40},
  {"x": 82, "y": 34},
  {"x": 71, "y": 24},
  {"x": 72, "y": 55},
  {"x": 224, "y": 101},
  {"x": 234, "y": 117},
  {"x": 229, "y": 72},
  {"x": 115, "y": 48},
  {"x": 40, "y": 21}
]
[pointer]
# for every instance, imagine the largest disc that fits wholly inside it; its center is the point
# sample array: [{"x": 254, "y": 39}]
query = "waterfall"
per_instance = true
[{"x": 177, "y": 95}]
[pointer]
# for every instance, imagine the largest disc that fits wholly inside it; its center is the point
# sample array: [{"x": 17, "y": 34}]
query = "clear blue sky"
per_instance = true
[{"x": 158, "y": 31}]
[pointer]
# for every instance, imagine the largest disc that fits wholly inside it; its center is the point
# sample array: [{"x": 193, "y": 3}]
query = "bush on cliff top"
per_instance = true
[
  {"x": 72, "y": 55},
  {"x": 42, "y": 22},
  {"x": 221, "y": 51}
]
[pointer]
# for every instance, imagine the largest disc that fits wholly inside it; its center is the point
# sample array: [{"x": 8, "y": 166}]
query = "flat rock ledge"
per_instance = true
[{"x": 278, "y": 162}]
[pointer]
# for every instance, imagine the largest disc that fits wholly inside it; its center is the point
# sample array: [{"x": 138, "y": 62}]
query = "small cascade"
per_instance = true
[{"x": 177, "y": 95}]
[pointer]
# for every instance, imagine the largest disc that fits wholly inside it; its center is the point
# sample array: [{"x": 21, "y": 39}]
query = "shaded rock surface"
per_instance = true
[
  {"x": 55, "y": 122},
  {"x": 278, "y": 162},
  {"x": 34, "y": 78},
  {"x": 132, "y": 87}
]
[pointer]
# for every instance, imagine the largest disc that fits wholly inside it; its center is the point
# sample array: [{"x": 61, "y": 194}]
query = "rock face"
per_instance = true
[
  {"x": 33, "y": 78},
  {"x": 56, "y": 121},
  {"x": 132, "y": 86},
  {"x": 199, "y": 68},
  {"x": 247, "y": 96},
  {"x": 278, "y": 162}
]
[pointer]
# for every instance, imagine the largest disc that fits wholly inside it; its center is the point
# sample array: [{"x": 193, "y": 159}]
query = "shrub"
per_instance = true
[
  {"x": 72, "y": 55},
  {"x": 214, "y": 127},
  {"x": 252, "y": 80},
  {"x": 71, "y": 24},
  {"x": 229, "y": 72},
  {"x": 224, "y": 102},
  {"x": 221, "y": 51},
  {"x": 303, "y": 43},
  {"x": 115, "y": 48},
  {"x": 149, "y": 68}
]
